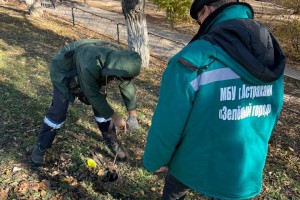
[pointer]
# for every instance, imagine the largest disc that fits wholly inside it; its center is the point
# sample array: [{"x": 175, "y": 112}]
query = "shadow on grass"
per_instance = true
[
  {"x": 18, "y": 131},
  {"x": 19, "y": 128},
  {"x": 23, "y": 12},
  {"x": 20, "y": 32}
]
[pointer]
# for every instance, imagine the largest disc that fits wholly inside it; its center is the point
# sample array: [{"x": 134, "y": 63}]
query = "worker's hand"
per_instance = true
[
  {"x": 162, "y": 169},
  {"x": 119, "y": 121},
  {"x": 132, "y": 123}
]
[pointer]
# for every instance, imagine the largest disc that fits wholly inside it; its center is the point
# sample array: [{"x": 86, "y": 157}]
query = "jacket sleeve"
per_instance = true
[
  {"x": 128, "y": 94},
  {"x": 170, "y": 116}
]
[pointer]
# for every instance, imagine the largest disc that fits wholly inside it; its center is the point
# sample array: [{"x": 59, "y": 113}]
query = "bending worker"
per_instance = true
[{"x": 82, "y": 70}]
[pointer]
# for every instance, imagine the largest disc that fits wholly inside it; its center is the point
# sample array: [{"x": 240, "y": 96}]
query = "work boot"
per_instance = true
[
  {"x": 38, "y": 155},
  {"x": 111, "y": 141}
]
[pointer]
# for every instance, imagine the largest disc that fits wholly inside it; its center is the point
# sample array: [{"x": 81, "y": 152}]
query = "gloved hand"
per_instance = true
[{"x": 132, "y": 123}]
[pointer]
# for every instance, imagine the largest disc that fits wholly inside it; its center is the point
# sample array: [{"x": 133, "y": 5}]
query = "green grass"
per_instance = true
[{"x": 26, "y": 47}]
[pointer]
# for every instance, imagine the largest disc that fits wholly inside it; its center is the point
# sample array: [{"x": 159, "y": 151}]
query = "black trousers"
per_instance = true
[
  {"x": 55, "y": 117},
  {"x": 174, "y": 189}
]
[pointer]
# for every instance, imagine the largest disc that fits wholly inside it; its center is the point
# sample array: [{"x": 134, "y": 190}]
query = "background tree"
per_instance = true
[
  {"x": 34, "y": 7},
  {"x": 175, "y": 9},
  {"x": 133, "y": 10}
]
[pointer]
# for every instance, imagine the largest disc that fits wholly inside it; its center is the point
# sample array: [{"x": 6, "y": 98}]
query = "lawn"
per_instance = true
[{"x": 27, "y": 44}]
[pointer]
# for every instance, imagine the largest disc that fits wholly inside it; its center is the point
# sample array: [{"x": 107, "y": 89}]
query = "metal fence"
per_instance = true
[
  {"x": 47, "y": 4},
  {"x": 159, "y": 46},
  {"x": 292, "y": 95}
]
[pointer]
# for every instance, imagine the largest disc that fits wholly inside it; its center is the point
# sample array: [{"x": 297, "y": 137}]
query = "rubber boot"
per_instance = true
[
  {"x": 108, "y": 131},
  {"x": 44, "y": 141},
  {"x": 38, "y": 155}
]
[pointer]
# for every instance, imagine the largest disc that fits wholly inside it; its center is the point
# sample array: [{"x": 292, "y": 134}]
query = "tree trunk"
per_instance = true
[
  {"x": 297, "y": 10},
  {"x": 34, "y": 7},
  {"x": 133, "y": 10}
]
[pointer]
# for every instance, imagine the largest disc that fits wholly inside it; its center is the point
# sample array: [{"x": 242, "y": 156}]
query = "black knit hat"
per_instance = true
[{"x": 198, "y": 5}]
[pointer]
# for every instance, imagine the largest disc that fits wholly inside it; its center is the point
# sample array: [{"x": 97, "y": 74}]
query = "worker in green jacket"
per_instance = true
[
  {"x": 219, "y": 102},
  {"x": 83, "y": 70}
]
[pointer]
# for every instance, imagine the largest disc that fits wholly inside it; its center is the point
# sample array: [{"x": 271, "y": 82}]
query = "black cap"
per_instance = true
[{"x": 198, "y": 5}]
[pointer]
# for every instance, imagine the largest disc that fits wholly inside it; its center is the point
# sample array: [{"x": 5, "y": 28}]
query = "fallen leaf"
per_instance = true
[
  {"x": 7, "y": 180},
  {"x": 138, "y": 157},
  {"x": 66, "y": 179},
  {"x": 44, "y": 185},
  {"x": 43, "y": 193},
  {"x": 65, "y": 156},
  {"x": 54, "y": 173},
  {"x": 14, "y": 183},
  {"x": 75, "y": 183},
  {"x": 23, "y": 187},
  {"x": 291, "y": 149},
  {"x": 16, "y": 169},
  {"x": 100, "y": 172},
  {"x": 4, "y": 193},
  {"x": 35, "y": 186}
]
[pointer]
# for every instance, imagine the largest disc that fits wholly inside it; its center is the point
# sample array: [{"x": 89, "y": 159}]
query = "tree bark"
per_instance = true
[
  {"x": 297, "y": 10},
  {"x": 135, "y": 19},
  {"x": 34, "y": 7}
]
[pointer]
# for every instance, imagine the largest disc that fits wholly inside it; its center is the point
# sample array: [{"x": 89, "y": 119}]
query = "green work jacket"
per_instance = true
[
  {"x": 219, "y": 102},
  {"x": 90, "y": 59}
]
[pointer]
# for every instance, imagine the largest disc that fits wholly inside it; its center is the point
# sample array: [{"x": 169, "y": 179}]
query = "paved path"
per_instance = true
[
  {"x": 291, "y": 72},
  {"x": 162, "y": 43},
  {"x": 158, "y": 45},
  {"x": 173, "y": 35}
]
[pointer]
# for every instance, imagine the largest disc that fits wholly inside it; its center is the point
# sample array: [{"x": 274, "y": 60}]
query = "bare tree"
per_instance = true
[
  {"x": 297, "y": 10},
  {"x": 34, "y": 7},
  {"x": 133, "y": 10}
]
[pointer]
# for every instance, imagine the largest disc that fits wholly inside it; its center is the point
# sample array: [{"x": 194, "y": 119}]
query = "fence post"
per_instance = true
[
  {"x": 118, "y": 33},
  {"x": 73, "y": 17}
]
